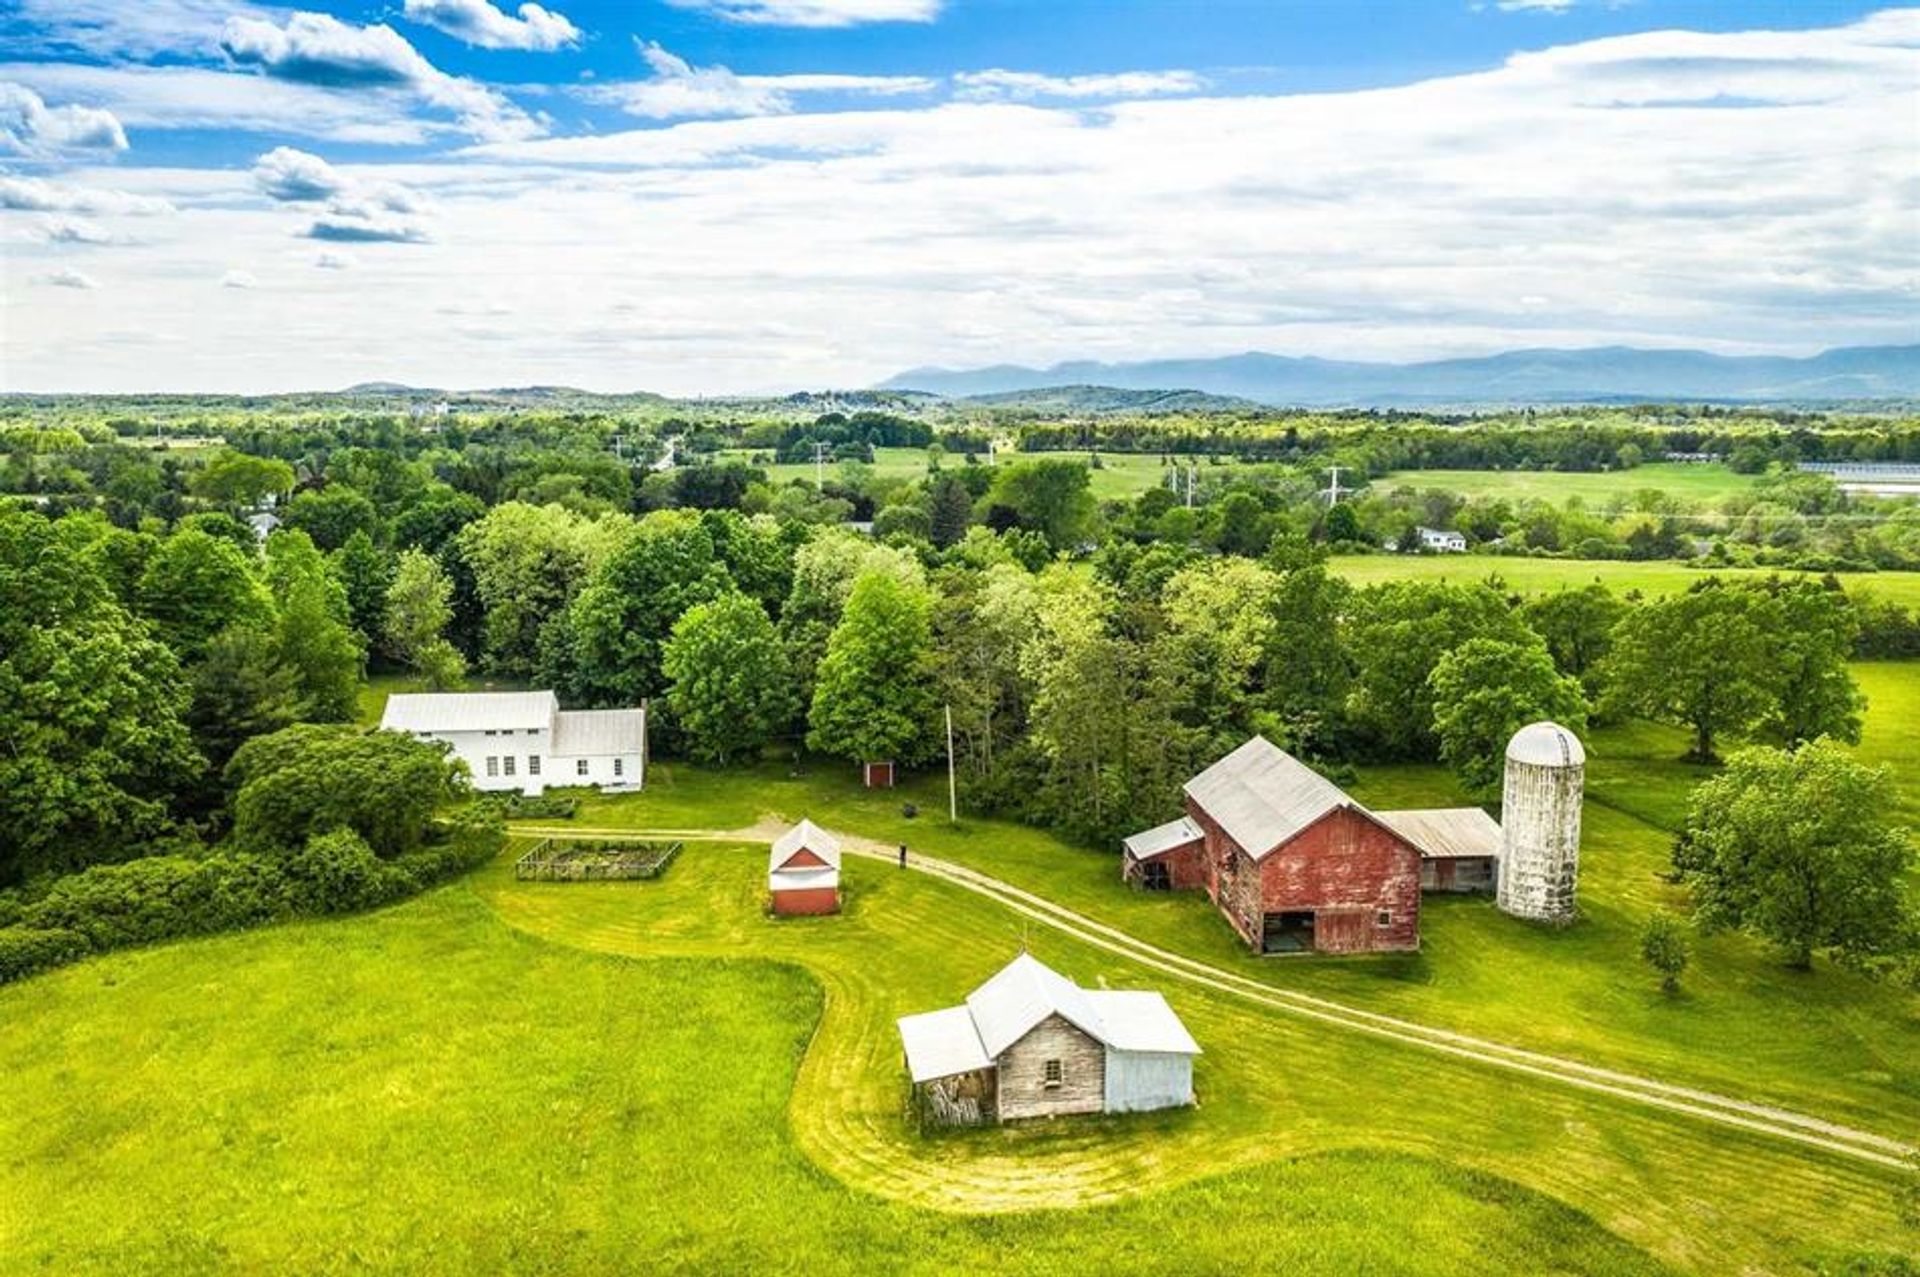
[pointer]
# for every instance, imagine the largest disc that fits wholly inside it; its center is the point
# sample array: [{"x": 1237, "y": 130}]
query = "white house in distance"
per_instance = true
[
  {"x": 1032, "y": 1043},
  {"x": 524, "y": 741},
  {"x": 1443, "y": 540}
]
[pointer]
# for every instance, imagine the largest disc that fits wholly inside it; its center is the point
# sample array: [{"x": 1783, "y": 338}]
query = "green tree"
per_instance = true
[
  {"x": 241, "y": 689},
  {"x": 1663, "y": 946},
  {"x": 1342, "y": 524},
  {"x": 622, "y": 619},
  {"x": 197, "y": 585},
  {"x": 983, "y": 618},
  {"x": 1397, "y": 633},
  {"x": 419, "y": 605},
  {"x": 1241, "y": 525},
  {"x": 1577, "y": 626},
  {"x": 1051, "y": 497},
  {"x": 314, "y": 639},
  {"x": 1307, "y": 670},
  {"x": 332, "y": 514},
  {"x": 1812, "y": 636},
  {"x": 729, "y": 689},
  {"x": 1484, "y": 691},
  {"x": 367, "y": 573},
  {"x": 874, "y": 700},
  {"x": 527, "y": 562},
  {"x": 1701, "y": 659},
  {"x": 950, "y": 510},
  {"x": 1219, "y": 627},
  {"x": 309, "y": 780},
  {"x": 236, "y": 479},
  {"x": 824, "y": 570},
  {"x": 93, "y": 746},
  {"x": 1801, "y": 849}
]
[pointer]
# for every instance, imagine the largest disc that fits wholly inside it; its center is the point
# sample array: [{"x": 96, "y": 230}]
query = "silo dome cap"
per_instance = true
[{"x": 1546, "y": 745}]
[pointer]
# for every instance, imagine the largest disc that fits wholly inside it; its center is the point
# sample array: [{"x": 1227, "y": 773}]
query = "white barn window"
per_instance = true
[
  {"x": 533, "y": 764},
  {"x": 617, "y": 768},
  {"x": 493, "y": 765},
  {"x": 580, "y": 767},
  {"x": 1056, "y": 1073},
  {"x": 508, "y": 760}
]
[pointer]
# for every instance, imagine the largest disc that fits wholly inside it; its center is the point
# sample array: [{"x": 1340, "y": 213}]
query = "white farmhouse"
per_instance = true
[
  {"x": 1443, "y": 540},
  {"x": 524, "y": 741}
]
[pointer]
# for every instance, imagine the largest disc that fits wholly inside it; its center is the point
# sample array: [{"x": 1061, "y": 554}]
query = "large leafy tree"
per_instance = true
[
  {"x": 949, "y": 510},
  {"x": 1397, "y": 634},
  {"x": 729, "y": 689},
  {"x": 824, "y": 570},
  {"x": 367, "y": 573},
  {"x": 1219, "y": 618},
  {"x": 1800, "y": 848},
  {"x": 93, "y": 747},
  {"x": 1702, "y": 659},
  {"x": 331, "y": 515},
  {"x": 241, "y": 689},
  {"x": 1813, "y": 635},
  {"x": 419, "y": 606},
  {"x": 1487, "y": 689},
  {"x": 875, "y": 698},
  {"x": 196, "y": 585},
  {"x": 1049, "y": 496},
  {"x": 313, "y": 633},
  {"x": 311, "y": 779},
  {"x": 237, "y": 479},
  {"x": 1307, "y": 670},
  {"x": 526, "y": 563},
  {"x": 1577, "y": 626},
  {"x": 621, "y": 620}
]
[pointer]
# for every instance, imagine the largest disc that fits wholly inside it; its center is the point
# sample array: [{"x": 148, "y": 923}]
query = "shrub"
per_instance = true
[{"x": 25, "y": 950}]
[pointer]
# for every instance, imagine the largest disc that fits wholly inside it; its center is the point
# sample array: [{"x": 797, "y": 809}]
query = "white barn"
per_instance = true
[
  {"x": 524, "y": 742},
  {"x": 1032, "y": 1043}
]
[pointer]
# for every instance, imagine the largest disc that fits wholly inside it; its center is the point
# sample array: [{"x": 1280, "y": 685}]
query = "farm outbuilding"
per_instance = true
[
  {"x": 803, "y": 871},
  {"x": 1032, "y": 1043},
  {"x": 1298, "y": 866}
]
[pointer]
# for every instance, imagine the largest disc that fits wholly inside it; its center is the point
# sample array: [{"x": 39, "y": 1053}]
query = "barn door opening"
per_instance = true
[
  {"x": 1154, "y": 876},
  {"x": 1289, "y": 932}
]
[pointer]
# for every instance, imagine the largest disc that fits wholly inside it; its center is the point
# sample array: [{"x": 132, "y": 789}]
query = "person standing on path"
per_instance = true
[{"x": 903, "y": 855}]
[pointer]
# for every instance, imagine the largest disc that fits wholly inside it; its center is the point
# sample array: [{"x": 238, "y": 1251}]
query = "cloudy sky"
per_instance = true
[{"x": 707, "y": 196}]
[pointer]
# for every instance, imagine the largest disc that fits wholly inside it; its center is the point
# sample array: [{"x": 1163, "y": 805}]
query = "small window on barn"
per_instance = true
[
  {"x": 1055, "y": 1074},
  {"x": 618, "y": 767},
  {"x": 509, "y": 761},
  {"x": 1384, "y": 918},
  {"x": 493, "y": 765},
  {"x": 580, "y": 767},
  {"x": 533, "y": 764}
]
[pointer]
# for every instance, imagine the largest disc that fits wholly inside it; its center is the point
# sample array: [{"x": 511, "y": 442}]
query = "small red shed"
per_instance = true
[
  {"x": 878, "y": 775},
  {"x": 803, "y": 871}
]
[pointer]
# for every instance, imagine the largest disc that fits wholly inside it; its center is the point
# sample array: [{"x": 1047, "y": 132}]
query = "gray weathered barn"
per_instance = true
[{"x": 1032, "y": 1043}]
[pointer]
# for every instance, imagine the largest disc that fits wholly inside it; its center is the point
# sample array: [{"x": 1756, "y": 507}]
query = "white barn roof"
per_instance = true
[
  {"x": 1162, "y": 839},
  {"x": 469, "y": 711},
  {"x": 1263, "y": 796},
  {"x": 598, "y": 733},
  {"x": 1446, "y": 833},
  {"x": 804, "y": 836},
  {"x": 1021, "y": 995}
]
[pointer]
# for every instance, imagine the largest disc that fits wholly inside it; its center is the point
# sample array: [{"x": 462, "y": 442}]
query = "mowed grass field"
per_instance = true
[
  {"x": 1121, "y": 475},
  {"x": 1534, "y": 576},
  {"x": 1692, "y": 482}
]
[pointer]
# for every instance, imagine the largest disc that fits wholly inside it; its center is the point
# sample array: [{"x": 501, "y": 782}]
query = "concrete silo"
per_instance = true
[{"x": 1540, "y": 823}]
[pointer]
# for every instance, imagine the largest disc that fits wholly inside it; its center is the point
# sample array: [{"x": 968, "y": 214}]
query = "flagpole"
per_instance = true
[{"x": 953, "y": 792}]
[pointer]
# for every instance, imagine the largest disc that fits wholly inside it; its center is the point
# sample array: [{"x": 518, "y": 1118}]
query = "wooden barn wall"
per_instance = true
[
  {"x": 807, "y": 900},
  {"x": 1021, "y": 1084},
  {"x": 1186, "y": 866},
  {"x": 1142, "y": 1080},
  {"x": 1348, "y": 868}
]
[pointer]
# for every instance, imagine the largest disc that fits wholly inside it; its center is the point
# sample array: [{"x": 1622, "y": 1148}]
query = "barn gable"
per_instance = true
[{"x": 1261, "y": 796}]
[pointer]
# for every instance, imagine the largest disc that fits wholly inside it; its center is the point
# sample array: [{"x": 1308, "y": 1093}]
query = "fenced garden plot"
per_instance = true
[{"x": 574, "y": 860}]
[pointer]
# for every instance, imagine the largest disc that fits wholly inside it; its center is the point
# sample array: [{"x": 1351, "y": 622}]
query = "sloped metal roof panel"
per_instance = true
[
  {"x": 1263, "y": 796},
  {"x": 422, "y": 712}
]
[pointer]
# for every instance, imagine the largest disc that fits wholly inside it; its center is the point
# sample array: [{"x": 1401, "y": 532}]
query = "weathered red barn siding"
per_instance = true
[
  {"x": 1345, "y": 867},
  {"x": 1349, "y": 869},
  {"x": 1186, "y": 866},
  {"x": 803, "y": 859},
  {"x": 806, "y": 900}
]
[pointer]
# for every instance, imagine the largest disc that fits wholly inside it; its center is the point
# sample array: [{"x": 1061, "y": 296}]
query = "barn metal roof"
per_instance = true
[
  {"x": 1140, "y": 1020},
  {"x": 1162, "y": 839},
  {"x": 1021, "y": 995},
  {"x": 1546, "y": 745},
  {"x": 593, "y": 733},
  {"x": 942, "y": 1043},
  {"x": 809, "y": 836},
  {"x": 469, "y": 711},
  {"x": 1446, "y": 833},
  {"x": 1263, "y": 796}
]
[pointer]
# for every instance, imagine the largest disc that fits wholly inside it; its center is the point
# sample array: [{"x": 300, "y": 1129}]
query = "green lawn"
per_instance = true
[
  {"x": 1704, "y": 483},
  {"x": 1120, "y": 476},
  {"x": 1532, "y": 576}
]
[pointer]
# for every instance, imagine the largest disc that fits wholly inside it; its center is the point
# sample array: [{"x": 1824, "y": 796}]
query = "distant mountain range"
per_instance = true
[{"x": 1594, "y": 375}]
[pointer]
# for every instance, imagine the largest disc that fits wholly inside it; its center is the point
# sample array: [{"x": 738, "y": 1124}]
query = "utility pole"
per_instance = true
[
  {"x": 1333, "y": 488},
  {"x": 953, "y": 791},
  {"x": 820, "y": 464}
]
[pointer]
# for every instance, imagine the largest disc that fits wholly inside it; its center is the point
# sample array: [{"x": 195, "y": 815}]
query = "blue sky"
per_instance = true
[{"x": 748, "y": 195}]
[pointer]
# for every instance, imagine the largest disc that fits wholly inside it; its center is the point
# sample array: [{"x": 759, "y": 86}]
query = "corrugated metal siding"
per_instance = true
[{"x": 1142, "y": 1080}]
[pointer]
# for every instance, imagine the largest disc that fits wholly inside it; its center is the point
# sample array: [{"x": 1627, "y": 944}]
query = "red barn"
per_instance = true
[
  {"x": 803, "y": 871},
  {"x": 1293, "y": 862}
]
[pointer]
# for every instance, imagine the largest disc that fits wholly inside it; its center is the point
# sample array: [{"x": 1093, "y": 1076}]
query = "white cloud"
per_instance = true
[
  {"x": 28, "y": 126},
  {"x": 318, "y": 50},
  {"x": 34, "y": 194},
  {"x": 1021, "y": 85},
  {"x": 356, "y": 209},
  {"x": 335, "y": 261},
  {"x": 238, "y": 279},
  {"x": 363, "y": 224},
  {"x": 679, "y": 90},
  {"x": 74, "y": 230},
  {"x": 478, "y": 22},
  {"x": 288, "y": 174},
  {"x": 816, "y": 13},
  {"x": 1534, "y": 6},
  {"x": 1742, "y": 192},
  {"x": 69, "y": 279},
  {"x": 125, "y": 28}
]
